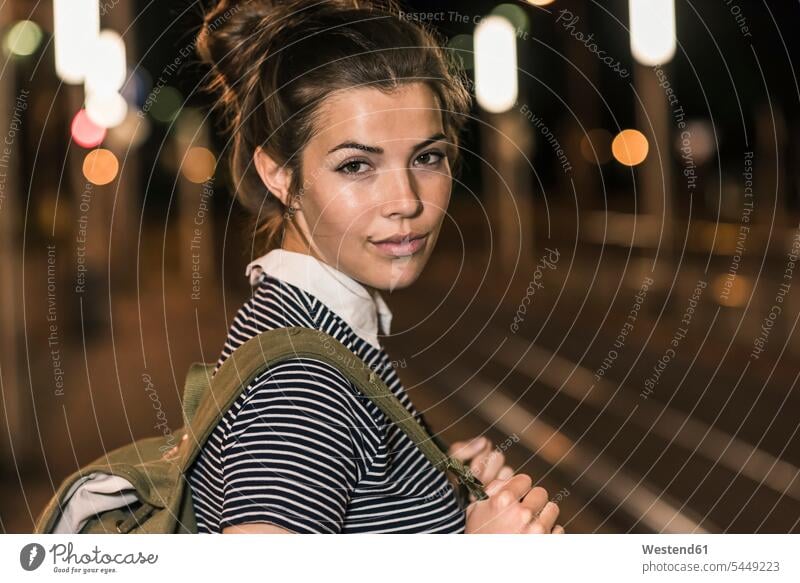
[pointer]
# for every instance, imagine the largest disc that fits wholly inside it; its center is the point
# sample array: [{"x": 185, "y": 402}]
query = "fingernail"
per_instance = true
[{"x": 481, "y": 441}]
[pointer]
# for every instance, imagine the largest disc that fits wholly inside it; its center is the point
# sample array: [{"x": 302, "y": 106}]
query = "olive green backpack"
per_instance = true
[{"x": 138, "y": 489}]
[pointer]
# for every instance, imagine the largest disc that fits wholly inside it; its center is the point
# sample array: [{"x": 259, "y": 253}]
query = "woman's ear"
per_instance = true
[{"x": 276, "y": 177}]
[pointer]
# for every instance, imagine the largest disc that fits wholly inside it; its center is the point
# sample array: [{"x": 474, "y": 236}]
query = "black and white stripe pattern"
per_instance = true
[{"x": 301, "y": 448}]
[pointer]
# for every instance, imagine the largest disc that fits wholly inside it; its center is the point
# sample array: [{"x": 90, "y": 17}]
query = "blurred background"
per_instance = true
[{"x": 613, "y": 300}]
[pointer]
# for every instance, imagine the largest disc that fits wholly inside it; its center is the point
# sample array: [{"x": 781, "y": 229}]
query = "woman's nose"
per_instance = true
[{"x": 401, "y": 196}]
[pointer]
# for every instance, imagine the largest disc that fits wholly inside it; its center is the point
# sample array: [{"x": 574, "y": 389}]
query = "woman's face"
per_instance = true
[{"x": 377, "y": 168}]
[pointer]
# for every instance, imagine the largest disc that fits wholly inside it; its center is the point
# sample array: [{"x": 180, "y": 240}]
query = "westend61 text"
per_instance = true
[{"x": 673, "y": 550}]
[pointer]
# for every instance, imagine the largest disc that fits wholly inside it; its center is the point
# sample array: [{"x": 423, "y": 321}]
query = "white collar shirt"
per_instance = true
[{"x": 367, "y": 314}]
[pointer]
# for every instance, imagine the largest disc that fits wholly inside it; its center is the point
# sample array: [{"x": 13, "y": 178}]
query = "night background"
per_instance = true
[{"x": 614, "y": 295}]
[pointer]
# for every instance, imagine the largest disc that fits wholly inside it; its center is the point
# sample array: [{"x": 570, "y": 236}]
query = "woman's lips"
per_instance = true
[{"x": 402, "y": 248}]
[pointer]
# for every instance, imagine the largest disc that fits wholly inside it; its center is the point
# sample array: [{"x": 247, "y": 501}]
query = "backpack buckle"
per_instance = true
[
  {"x": 135, "y": 519},
  {"x": 466, "y": 477}
]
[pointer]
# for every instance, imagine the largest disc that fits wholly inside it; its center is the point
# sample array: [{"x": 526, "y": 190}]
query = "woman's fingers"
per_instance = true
[
  {"x": 534, "y": 527},
  {"x": 487, "y": 464},
  {"x": 505, "y": 492},
  {"x": 505, "y": 473},
  {"x": 514, "y": 507},
  {"x": 485, "y": 461},
  {"x": 466, "y": 450},
  {"x": 545, "y": 522},
  {"x": 535, "y": 499},
  {"x": 477, "y": 461},
  {"x": 494, "y": 486}
]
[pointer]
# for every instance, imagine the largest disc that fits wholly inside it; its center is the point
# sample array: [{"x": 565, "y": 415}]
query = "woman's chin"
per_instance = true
[{"x": 398, "y": 273}]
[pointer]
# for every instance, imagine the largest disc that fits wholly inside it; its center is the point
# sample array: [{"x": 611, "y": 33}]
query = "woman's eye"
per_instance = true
[
  {"x": 430, "y": 158},
  {"x": 352, "y": 167}
]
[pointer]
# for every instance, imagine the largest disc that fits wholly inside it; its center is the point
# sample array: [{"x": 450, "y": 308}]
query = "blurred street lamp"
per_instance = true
[
  {"x": 495, "y": 64},
  {"x": 507, "y": 137},
  {"x": 196, "y": 165},
  {"x": 653, "y": 37},
  {"x": 106, "y": 72},
  {"x": 653, "y": 41},
  {"x": 76, "y": 26},
  {"x": 94, "y": 66}
]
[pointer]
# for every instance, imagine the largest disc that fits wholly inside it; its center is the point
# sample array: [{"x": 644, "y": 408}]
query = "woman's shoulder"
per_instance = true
[
  {"x": 305, "y": 381},
  {"x": 303, "y": 374},
  {"x": 306, "y": 396},
  {"x": 272, "y": 304}
]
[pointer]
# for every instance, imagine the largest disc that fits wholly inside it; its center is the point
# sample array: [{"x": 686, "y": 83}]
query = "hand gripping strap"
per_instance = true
[{"x": 260, "y": 352}]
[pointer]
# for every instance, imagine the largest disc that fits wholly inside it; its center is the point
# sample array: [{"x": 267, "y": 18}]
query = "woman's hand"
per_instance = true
[
  {"x": 513, "y": 507},
  {"x": 174, "y": 451},
  {"x": 485, "y": 461}
]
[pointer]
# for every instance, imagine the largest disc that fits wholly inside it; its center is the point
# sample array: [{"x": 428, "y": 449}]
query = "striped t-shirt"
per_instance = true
[{"x": 303, "y": 449}]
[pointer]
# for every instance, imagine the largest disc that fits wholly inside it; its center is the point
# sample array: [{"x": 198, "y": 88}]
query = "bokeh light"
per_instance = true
[
  {"x": 137, "y": 86},
  {"x": 652, "y": 26},
  {"x": 198, "y": 164},
  {"x": 106, "y": 70},
  {"x": 514, "y": 14},
  {"x": 596, "y": 146},
  {"x": 106, "y": 109},
  {"x": 22, "y": 39},
  {"x": 85, "y": 132},
  {"x": 697, "y": 141},
  {"x": 76, "y": 25},
  {"x": 630, "y": 147},
  {"x": 100, "y": 166},
  {"x": 732, "y": 290},
  {"x": 496, "y": 86},
  {"x": 189, "y": 127},
  {"x": 166, "y": 104}
]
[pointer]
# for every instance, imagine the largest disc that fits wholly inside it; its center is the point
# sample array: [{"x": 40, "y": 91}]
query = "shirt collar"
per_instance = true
[{"x": 338, "y": 291}]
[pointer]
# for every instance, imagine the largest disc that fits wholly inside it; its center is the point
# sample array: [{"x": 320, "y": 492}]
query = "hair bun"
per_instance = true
[
  {"x": 224, "y": 28},
  {"x": 234, "y": 27}
]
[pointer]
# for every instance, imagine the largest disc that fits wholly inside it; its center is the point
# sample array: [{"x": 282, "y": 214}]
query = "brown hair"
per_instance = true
[{"x": 274, "y": 62}]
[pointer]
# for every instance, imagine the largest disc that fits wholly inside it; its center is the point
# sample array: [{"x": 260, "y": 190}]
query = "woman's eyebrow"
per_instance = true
[{"x": 377, "y": 150}]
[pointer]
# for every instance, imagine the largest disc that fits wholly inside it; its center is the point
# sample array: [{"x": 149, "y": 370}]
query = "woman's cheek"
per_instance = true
[
  {"x": 354, "y": 197},
  {"x": 438, "y": 194},
  {"x": 346, "y": 218},
  {"x": 342, "y": 205}
]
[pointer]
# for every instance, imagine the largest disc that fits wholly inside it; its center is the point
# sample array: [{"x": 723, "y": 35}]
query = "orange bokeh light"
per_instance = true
[
  {"x": 100, "y": 166},
  {"x": 199, "y": 164},
  {"x": 630, "y": 147}
]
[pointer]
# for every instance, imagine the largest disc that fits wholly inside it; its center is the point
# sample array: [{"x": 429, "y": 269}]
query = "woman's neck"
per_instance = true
[{"x": 292, "y": 244}]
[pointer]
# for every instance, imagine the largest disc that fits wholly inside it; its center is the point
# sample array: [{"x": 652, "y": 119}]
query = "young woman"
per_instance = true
[{"x": 344, "y": 120}]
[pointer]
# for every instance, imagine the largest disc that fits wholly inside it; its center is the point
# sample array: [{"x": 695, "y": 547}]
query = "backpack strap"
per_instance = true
[
  {"x": 260, "y": 352},
  {"x": 198, "y": 381}
]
